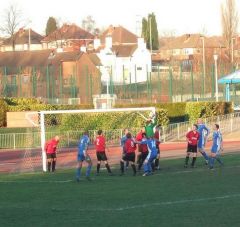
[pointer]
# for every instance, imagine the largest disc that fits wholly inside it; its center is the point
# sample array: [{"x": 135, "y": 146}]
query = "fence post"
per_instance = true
[
  {"x": 164, "y": 136},
  {"x": 178, "y": 131},
  {"x": 14, "y": 141},
  {"x": 68, "y": 139},
  {"x": 231, "y": 124}
]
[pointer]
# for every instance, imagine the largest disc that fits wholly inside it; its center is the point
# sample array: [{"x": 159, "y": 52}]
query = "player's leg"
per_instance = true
[
  {"x": 54, "y": 160},
  {"x": 201, "y": 149},
  {"x": 140, "y": 160},
  {"x": 79, "y": 167},
  {"x": 212, "y": 159},
  {"x": 122, "y": 164},
  {"x": 217, "y": 157},
  {"x": 187, "y": 156},
  {"x": 98, "y": 162},
  {"x": 104, "y": 158},
  {"x": 49, "y": 162},
  {"x": 194, "y": 152},
  {"x": 156, "y": 163},
  {"x": 89, "y": 167}
]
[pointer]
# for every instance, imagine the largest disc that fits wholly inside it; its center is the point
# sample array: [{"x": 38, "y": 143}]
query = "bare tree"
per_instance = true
[
  {"x": 12, "y": 22},
  {"x": 229, "y": 22},
  {"x": 89, "y": 24}
]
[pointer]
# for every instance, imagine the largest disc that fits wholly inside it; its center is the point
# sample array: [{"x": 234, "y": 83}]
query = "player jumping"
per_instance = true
[
  {"x": 216, "y": 147},
  {"x": 83, "y": 155}
]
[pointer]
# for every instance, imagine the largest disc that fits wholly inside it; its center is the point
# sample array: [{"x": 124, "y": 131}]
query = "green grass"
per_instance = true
[{"x": 172, "y": 197}]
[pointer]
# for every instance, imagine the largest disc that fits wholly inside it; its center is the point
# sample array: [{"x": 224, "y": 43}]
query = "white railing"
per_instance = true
[{"x": 172, "y": 132}]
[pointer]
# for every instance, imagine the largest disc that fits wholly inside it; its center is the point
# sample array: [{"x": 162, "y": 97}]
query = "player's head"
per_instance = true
[
  {"x": 56, "y": 138},
  {"x": 85, "y": 133},
  {"x": 128, "y": 135},
  {"x": 99, "y": 132},
  {"x": 199, "y": 121},
  {"x": 216, "y": 126},
  {"x": 143, "y": 129},
  {"x": 195, "y": 127},
  {"x": 126, "y": 131},
  {"x": 158, "y": 127}
]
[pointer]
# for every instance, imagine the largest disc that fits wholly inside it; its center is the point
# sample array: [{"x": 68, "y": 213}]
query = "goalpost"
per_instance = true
[{"x": 144, "y": 113}]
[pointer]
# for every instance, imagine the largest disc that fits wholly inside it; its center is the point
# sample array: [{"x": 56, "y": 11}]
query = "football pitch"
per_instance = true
[{"x": 173, "y": 196}]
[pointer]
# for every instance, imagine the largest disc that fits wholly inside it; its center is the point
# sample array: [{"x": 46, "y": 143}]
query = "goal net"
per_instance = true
[{"x": 70, "y": 125}]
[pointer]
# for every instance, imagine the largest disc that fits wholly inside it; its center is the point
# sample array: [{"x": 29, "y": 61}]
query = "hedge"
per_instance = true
[
  {"x": 3, "y": 110},
  {"x": 106, "y": 121},
  {"x": 184, "y": 111}
]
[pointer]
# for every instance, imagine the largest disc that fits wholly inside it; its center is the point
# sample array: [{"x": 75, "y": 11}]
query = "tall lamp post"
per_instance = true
[
  {"x": 204, "y": 64},
  {"x": 215, "y": 57},
  {"x": 232, "y": 50},
  {"x": 150, "y": 31}
]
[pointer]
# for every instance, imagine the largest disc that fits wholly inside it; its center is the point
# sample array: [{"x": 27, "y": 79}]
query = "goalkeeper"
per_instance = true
[{"x": 150, "y": 125}]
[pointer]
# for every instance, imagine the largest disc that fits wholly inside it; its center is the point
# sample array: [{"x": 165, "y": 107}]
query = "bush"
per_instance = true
[{"x": 3, "y": 110}]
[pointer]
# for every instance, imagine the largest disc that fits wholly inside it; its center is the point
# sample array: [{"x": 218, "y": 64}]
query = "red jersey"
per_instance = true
[
  {"x": 193, "y": 137},
  {"x": 51, "y": 146},
  {"x": 139, "y": 136},
  {"x": 130, "y": 146},
  {"x": 100, "y": 143},
  {"x": 156, "y": 136}
]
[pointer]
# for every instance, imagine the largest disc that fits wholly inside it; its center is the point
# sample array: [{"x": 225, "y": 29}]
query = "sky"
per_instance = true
[{"x": 174, "y": 16}]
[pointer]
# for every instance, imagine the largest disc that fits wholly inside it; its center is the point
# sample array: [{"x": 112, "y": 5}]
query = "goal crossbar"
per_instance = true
[{"x": 45, "y": 112}]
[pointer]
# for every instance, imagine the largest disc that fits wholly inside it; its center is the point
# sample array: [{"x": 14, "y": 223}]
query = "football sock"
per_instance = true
[
  {"x": 134, "y": 168},
  {"x": 205, "y": 155},
  {"x": 78, "y": 174},
  {"x": 219, "y": 160},
  {"x": 49, "y": 166},
  {"x": 153, "y": 166},
  {"x": 212, "y": 162},
  {"x": 145, "y": 167},
  {"x": 140, "y": 165},
  {"x": 88, "y": 171},
  {"x": 108, "y": 168},
  {"x": 122, "y": 166},
  {"x": 53, "y": 166},
  {"x": 98, "y": 167},
  {"x": 186, "y": 160},
  {"x": 156, "y": 162},
  {"x": 127, "y": 164},
  {"x": 193, "y": 161}
]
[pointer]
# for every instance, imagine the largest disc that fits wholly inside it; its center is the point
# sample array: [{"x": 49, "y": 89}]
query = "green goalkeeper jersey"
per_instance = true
[{"x": 149, "y": 128}]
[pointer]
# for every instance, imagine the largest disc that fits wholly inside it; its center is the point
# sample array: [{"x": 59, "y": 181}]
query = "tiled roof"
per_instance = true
[
  {"x": 69, "y": 32},
  {"x": 119, "y": 34},
  {"x": 192, "y": 41},
  {"x": 36, "y": 58},
  {"x": 124, "y": 50},
  {"x": 22, "y": 37}
]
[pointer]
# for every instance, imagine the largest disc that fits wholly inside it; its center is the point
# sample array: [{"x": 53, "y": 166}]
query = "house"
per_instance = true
[
  {"x": 57, "y": 77},
  {"x": 190, "y": 48},
  {"x": 24, "y": 39},
  {"x": 69, "y": 37},
  {"x": 124, "y": 57}
]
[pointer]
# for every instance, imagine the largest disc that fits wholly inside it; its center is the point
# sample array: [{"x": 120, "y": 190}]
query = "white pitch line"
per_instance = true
[{"x": 139, "y": 206}]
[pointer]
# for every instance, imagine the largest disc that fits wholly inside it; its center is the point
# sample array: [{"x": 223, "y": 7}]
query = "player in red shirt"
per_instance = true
[
  {"x": 144, "y": 151},
  {"x": 139, "y": 138},
  {"x": 130, "y": 147},
  {"x": 192, "y": 139},
  {"x": 100, "y": 145},
  {"x": 158, "y": 139},
  {"x": 50, "y": 149}
]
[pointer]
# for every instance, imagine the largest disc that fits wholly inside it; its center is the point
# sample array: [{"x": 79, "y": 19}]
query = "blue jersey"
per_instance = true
[
  {"x": 83, "y": 145},
  {"x": 151, "y": 144},
  {"x": 217, "y": 141},
  {"x": 203, "y": 131}
]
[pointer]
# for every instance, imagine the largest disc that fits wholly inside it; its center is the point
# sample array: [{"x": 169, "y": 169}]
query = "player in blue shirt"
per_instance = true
[
  {"x": 203, "y": 132},
  {"x": 152, "y": 154},
  {"x": 216, "y": 147},
  {"x": 83, "y": 155}
]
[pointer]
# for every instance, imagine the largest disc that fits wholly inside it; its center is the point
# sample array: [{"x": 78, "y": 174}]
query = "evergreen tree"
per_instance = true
[
  {"x": 51, "y": 25},
  {"x": 150, "y": 32}
]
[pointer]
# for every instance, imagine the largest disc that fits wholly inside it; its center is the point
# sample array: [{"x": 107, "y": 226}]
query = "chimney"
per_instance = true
[
  {"x": 108, "y": 42},
  {"x": 96, "y": 43},
  {"x": 141, "y": 43}
]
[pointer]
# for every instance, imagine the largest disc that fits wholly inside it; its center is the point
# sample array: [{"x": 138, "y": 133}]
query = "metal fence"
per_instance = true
[
  {"x": 163, "y": 83},
  {"x": 172, "y": 132}
]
